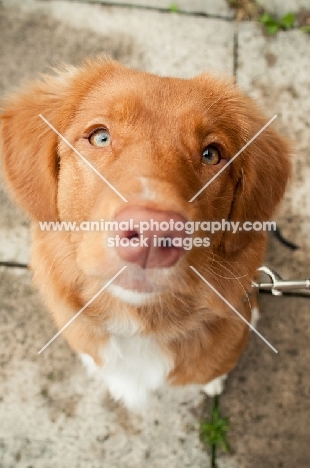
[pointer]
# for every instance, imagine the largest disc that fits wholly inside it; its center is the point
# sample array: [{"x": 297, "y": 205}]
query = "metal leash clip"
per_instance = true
[{"x": 278, "y": 286}]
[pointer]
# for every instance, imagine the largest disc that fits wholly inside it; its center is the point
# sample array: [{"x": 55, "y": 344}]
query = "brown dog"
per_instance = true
[{"x": 157, "y": 141}]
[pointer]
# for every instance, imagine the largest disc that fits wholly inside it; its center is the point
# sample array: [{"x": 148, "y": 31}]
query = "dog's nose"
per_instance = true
[{"x": 154, "y": 239}]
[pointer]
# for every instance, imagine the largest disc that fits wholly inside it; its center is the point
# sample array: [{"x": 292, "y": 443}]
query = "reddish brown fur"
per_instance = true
[{"x": 159, "y": 128}]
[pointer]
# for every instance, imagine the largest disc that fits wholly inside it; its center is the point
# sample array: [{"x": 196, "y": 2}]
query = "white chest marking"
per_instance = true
[{"x": 134, "y": 366}]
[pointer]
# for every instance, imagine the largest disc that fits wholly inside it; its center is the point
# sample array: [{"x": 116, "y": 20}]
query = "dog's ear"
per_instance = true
[
  {"x": 29, "y": 146},
  {"x": 262, "y": 171}
]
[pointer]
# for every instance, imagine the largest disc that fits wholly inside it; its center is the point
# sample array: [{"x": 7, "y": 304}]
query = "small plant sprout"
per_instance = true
[
  {"x": 173, "y": 8},
  {"x": 273, "y": 25},
  {"x": 213, "y": 433}
]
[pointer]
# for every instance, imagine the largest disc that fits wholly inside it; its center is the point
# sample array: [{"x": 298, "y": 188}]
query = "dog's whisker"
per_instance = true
[{"x": 238, "y": 280}]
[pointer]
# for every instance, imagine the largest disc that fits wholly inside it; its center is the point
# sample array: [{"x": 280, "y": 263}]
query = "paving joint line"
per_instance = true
[
  {"x": 235, "y": 50},
  {"x": 180, "y": 12},
  {"x": 13, "y": 264}
]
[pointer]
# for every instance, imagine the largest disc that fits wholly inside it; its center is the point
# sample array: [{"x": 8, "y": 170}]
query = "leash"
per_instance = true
[{"x": 277, "y": 286}]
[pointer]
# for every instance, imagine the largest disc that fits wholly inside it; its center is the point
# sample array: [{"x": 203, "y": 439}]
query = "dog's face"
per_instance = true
[{"x": 157, "y": 141}]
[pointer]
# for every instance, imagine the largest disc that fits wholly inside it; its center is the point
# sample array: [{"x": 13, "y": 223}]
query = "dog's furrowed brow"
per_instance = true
[
  {"x": 118, "y": 107},
  {"x": 153, "y": 106}
]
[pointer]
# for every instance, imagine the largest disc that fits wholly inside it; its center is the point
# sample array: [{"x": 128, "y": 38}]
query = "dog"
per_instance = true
[{"x": 156, "y": 152}]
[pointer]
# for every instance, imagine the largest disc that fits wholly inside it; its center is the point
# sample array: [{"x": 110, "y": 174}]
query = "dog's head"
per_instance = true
[{"x": 156, "y": 142}]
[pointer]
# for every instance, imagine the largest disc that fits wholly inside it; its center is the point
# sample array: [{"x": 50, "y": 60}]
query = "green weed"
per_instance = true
[
  {"x": 173, "y": 8},
  {"x": 273, "y": 25},
  {"x": 213, "y": 433}
]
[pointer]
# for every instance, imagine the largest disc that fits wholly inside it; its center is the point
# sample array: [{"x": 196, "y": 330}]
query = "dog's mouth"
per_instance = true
[
  {"x": 140, "y": 286},
  {"x": 136, "y": 297},
  {"x": 153, "y": 245},
  {"x": 139, "y": 280}
]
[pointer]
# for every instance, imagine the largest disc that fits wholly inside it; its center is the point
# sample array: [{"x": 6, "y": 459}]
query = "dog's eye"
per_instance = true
[
  {"x": 211, "y": 155},
  {"x": 100, "y": 137}
]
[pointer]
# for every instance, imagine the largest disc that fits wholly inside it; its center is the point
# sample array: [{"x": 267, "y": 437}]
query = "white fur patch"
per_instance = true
[
  {"x": 255, "y": 316},
  {"x": 130, "y": 297},
  {"x": 89, "y": 363},
  {"x": 146, "y": 193},
  {"x": 134, "y": 366},
  {"x": 215, "y": 387}
]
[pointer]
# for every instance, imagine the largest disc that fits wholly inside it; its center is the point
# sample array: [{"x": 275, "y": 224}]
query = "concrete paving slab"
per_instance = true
[
  {"x": 276, "y": 71},
  {"x": 281, "y": 7},
  {"x": 163, "y": 43},
  {"x": 53, "y": 415},
  {"x": 267, "y": 396},
  {"x": 36, "y": 36},
  {"x": 209, "y": 7},
  {"x": 14, "y": 232}
]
